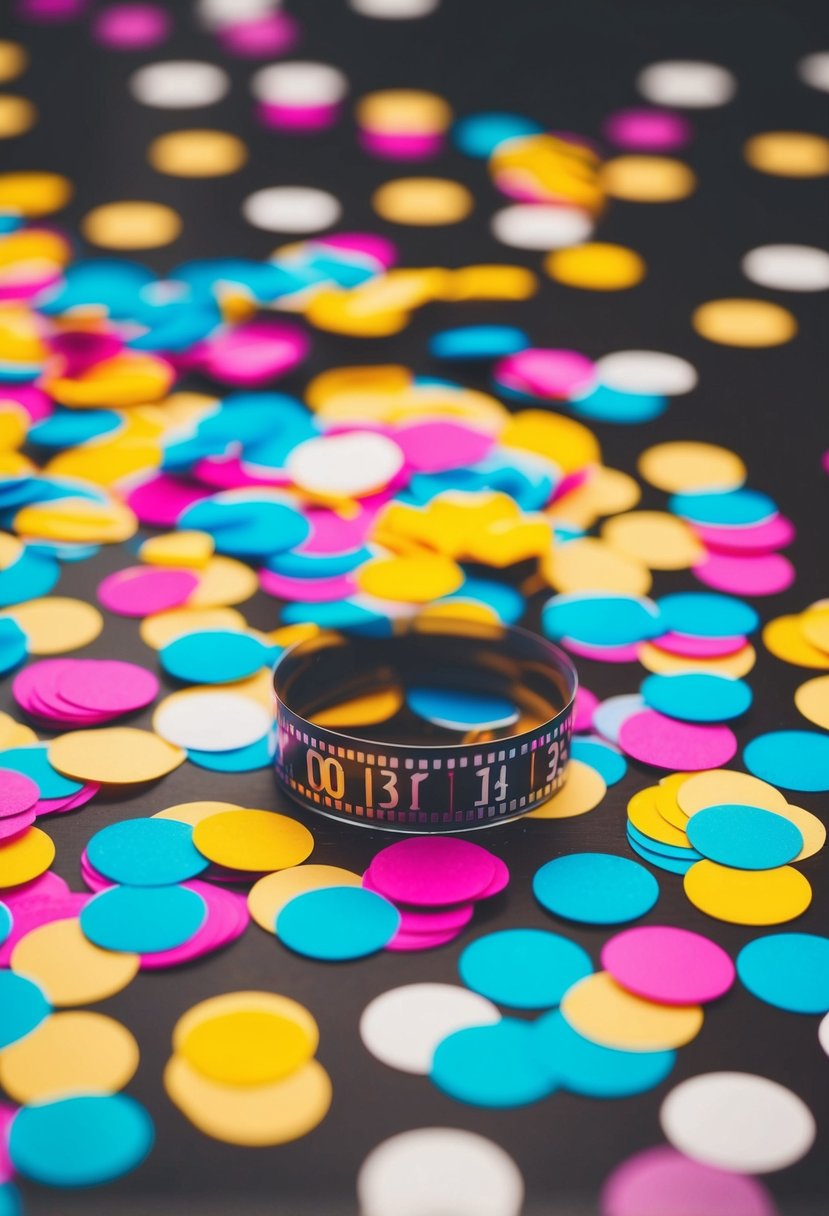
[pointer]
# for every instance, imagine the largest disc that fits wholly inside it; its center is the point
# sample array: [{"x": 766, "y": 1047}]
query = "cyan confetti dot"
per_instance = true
[
  {"x": 214, "y": 656},
  {"x": 697, "y": 696},
  {"x": 80, "y": 1141},
  {"x": 705, "y": 614},
  {"x": 595, "y": 888},
  {"x": 793, "y": 759},
  {"x": 744, "y": 837},
  {"x": 143, "y": 920},
  {"x": 146, "y": 852},
  {"x": 337, "y": 923},
  {"x": 587, "y": 1068},
  {"x": 495, "y": 1066},
  {"x": 523, "y": 968},
  {"x": 789, "y": 970},
  {"x": 23, "y": 1006}
]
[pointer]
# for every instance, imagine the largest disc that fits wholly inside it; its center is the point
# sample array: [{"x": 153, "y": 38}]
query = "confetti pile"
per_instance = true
[{"x": 346, "y": 411}]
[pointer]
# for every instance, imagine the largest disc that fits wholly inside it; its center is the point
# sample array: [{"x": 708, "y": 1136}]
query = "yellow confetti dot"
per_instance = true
[
  {"x": 403, "y": 112},
  {"x": 56, "y": 624},
  {"x": 68, "y": 967},
  {"x": 749, "y": 323},
  {"x": 197, "y": 153},
  {"x": 788, "y": 153},
  {"x": 460, "y": 609},
  {"x": 665, "y": 800},
  {"x": 723, "y": 786},
  {"x": 498, "y": 282},
  {"x": 566, "y": 442},
  {"x": 131, "y": 225},
  {"x": 589, "y": 564},
  {"x": 14, "y": 734},
  {"x": 14, "y": 60},
  {"x": 68, "y": 1054},
  {"x": 132, "y": 378},
  {"x": 194, "y": 812},
  {"x": 11, "y": 548},
  {"x": 685, "y": 465},
  {"x": 748, "y": 897},
  {"x": 737, "y": 664},
  {"x": 25, "y": 857},
  {"x": 253, "y": 840},
  {"x": 812, "y": 829},
  {"x": 362, "y": 711},
  {"x": 422, "y": 201},
  {"x": 77, "y": 520},
  {"x": 660, "y": 540},
  {"x": 596, "y": 266},
  {"x": 643, "y": 813},
  {"x": 812, "y": 699},
  {"x": 605, "y": 492},
  {"x": 160, "y": 628},
  {"x": 248, "y": 1047},
  {"x": 814, "y": 625},
  {"x": 416, "y": 579},
  {"x": 784, "y": 638},
  {"x": 192, "y": 550},
  {"x": 647, "y": 179},
  {"x": 583, "y": 790},
  {"x": 605, "y": 1013},
  {"x": 17, "y": 115},
  {"x": 254, "y": 1114},
  {"x": 114, "y": 755},
  {"x": 268, "y": 896},
  {"x": 247, "y": 1001},
  {"x": 34, "y": 194},
  {"x": 223, "y": 581}
]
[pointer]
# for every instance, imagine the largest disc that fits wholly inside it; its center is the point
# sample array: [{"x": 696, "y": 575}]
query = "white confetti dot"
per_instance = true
[
  {"x": 788, "y": 267},
  {"x": 216, "y": 13},
  {"x": 394, "y": 10},
  {"x": 301, "y": 83},
  {"x": 346, "y": 466},
  {"x": 738, "y": 1121},
  {"x": 538, "y": 226},
  {"x": 439, "y": 1171},
  {"x": 814, "y": 70},
  {"x": 179, "y": 84},
  {"x": 211, "y": 721},
  {"x": 291, "y": 209},
  {"x": 403, "y": 1027},
  {"x": 823, "y": 1033},
  {"x": 689, "y": 83},
  {"x": 646, "y": 371}
]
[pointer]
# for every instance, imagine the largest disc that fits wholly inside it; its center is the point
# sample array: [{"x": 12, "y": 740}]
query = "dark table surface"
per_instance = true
[{"x": 568, "y": 65}]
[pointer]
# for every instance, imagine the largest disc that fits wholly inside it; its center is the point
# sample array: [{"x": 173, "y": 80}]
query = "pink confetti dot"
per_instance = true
[
  {"x": 272, "y": 34},
  {"x": 689, "y": 647},
  {"x": 760, "y": 574},
  {"x": 662, "y": 1182},
  {"x": 307, "y": 590},
  {"x": 32, "y": 911},
  {"x": 645, "y": 130},
  {"x": 420, "y": 146},
  {"x": 437, "y": 446},
  {"x": 408, "y": 943},
  {"x": 298, "y": 118},
  {"x": 18, "y": 793},
  {"x": 678, "y": 746},
  {"x": 668, "y": 965},
  {"x": 107, "y": 685},
  {"x": 431, "y": 871},
  {"x": 160, "y": 500},
  {"x": 131, "y": 27},
  {"x": 774, "y": 533},
  {"x": 140, "y": 591},
  {"x": 553, "y": 374},
  {"x": 253, "y": 353},
  {"x": 602, "y": 654},
  {"x": 585, "y": 706}
]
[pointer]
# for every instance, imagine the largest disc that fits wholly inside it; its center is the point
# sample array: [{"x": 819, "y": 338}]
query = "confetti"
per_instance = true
[
  {"x": 737, "y": 1121},
  {"x": 523, "y": 968},
  {"x": 595, "y": 888},
  {"x": 403, "y": 1026}
]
